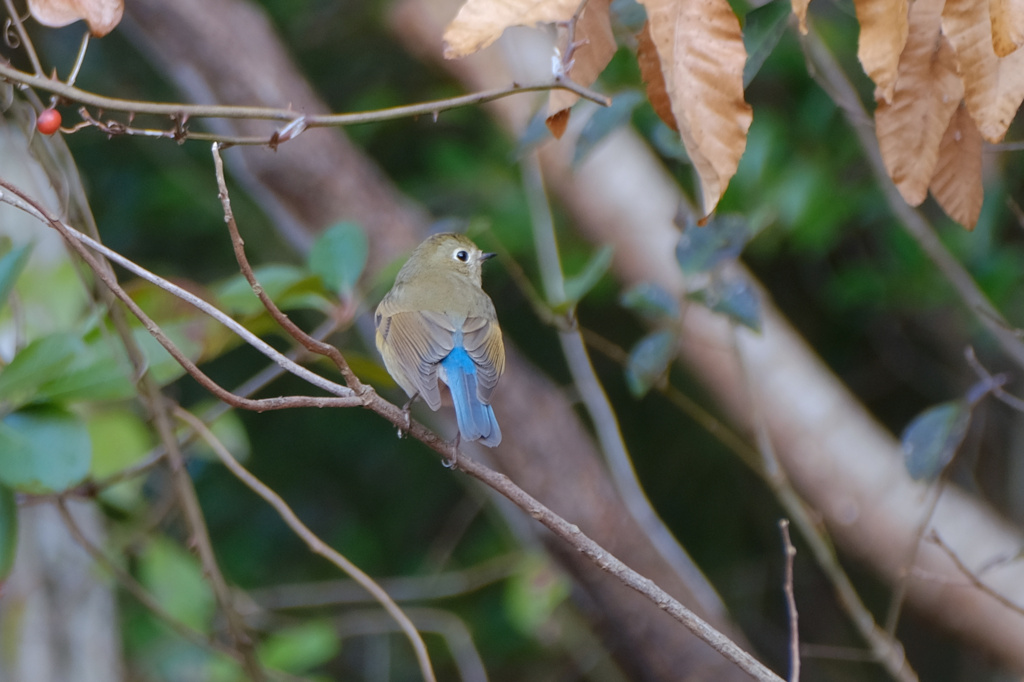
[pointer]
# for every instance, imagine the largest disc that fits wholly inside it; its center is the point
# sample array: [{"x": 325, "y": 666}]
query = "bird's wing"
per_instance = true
[
  {"x": 412, "y": 344},
  {"x": 482, "y": 340}
]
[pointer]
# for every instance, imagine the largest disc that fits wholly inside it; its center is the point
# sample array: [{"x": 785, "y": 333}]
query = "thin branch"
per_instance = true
[
  {"x": 887, "y": 650},
  {"x": 314, "y": 543},
  {"x": 30, "y": 49},
  {"x": 789, "y": 553},
  {"x": 199, "y": 534},
  {"x": 183, "y": 112},
  {"x": 592, "y": 393},
  {"x": 996, "y": 387},
  {"x": 78, "y": 241},
  {"x": 900, "y": 592},
  {"x": 79, "y": 59},
  {"x": 443, "y": 623},
  {"x": 134, "y": 588},
  {"x": 413, "y": 588},
  {"x": 973, "y": 579},
  {"x": 572, "y": 534},
  {"x": 308, "y": 342}
]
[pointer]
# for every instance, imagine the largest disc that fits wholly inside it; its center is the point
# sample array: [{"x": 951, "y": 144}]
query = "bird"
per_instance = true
[{"x": 437, "y": 324}]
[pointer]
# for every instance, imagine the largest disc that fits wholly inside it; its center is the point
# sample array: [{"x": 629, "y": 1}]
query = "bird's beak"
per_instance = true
[{"x": 487, "y": 256}]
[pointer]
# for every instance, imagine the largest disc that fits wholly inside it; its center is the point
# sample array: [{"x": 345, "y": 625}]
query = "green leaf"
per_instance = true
[
  {"x": 533, "y": 593},
  {"x": 43, "y": 450},
  {"x": 42, "y": 360},
  {"x": 651, "y": 301},
  {"x": 63, "y": 368},
  {"x": 762, "y": 29},
  {"x": 338, "y": 256},
  {"x": 732, "y": 296},
  {"x": 701, "y": 249},
  {"x": 605, "y": 120},
  {"x": 289, "y": 287},
  {"x": 95, "y": 374},
  {"x": 931, "y": 440},
  {"x": 301, "y": 647},
  {"x": 160, "y": 364},
  {"x": 175, "y": 578},
  {"x": 11, "y": 265},
  {"x": 8, "y": 532},
  {"x": 119, "y": 439},
  {"x": 649, "y": 360},
  {"x": 580, "y": 284}
]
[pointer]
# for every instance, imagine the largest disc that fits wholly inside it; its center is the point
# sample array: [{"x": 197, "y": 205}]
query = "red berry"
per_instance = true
[{"x": 48, "y": 121}]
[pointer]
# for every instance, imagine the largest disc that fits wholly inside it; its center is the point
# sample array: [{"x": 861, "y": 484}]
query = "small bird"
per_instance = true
[{"x": 437, "y": 323}]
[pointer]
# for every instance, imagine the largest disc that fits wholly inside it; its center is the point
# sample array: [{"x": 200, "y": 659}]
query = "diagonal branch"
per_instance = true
[{"x": 315, "y": 544}]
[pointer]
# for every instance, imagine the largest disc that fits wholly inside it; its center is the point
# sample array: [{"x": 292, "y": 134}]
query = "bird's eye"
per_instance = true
[{"x": 462, "y": 255}]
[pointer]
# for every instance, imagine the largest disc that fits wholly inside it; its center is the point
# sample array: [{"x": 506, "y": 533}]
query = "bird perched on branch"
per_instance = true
[{"x": 437, "y": 323}]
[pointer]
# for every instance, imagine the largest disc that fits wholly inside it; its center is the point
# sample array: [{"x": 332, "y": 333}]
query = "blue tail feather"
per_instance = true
[{"x": 476, "y": 420}]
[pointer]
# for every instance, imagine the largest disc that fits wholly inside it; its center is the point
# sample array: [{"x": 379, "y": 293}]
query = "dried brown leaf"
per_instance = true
[
  {"x": 800, "y": 10},
  {"x": 957, "y": 183},
  {"x": 101, "y": 15},
  {"x": 883, "y": 34},
  {"x": 480, "y": 22},
  {"x": 994, "y": 86},
  {"x": 927, "y": 93},
  {"x": 654, "y": 79},
  {"x": 1007, "y": 25},
  {"x": 558, "y": 122},
  {"x": 596, "y": 47},
  {"x": 702, "y": 57}
]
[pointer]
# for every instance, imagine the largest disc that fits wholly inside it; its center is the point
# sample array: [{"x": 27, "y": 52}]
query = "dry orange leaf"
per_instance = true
[
  {"x": 596, "y": 48},
  {"x": 654, "y": 79},
  {"x": 883, "y": 34},
  {"x": 701, "y": 51},
  {"x": 928, "y": 91},
  {"x": 480, "y": 22},
  {"x": 957, "y": 183},
  {"x": 101, "y": 15},
  {"x": 800, "y": 10},
  {"x": 1007, "y": 25},
  {"x": 994, "y": 86}
]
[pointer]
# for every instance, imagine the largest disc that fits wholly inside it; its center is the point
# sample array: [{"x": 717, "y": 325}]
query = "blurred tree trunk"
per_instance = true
[
  {"x": 58, "y": 613},
  {"x": 58, "y": 617},
  {"x": 224, "y": 51}
]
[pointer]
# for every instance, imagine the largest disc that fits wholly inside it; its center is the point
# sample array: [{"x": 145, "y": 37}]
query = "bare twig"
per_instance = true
[
  {"x": 30, "y": 49},
  {"x": 79, "y": 241},
  {"x": 996, "y": 387},
  {"x": 132, "y": 586},
  {"x": 789, "y": 553},
  {"x": 311, "y": 344},
  {"x": 413, "y": 588},
  {"x": 200, "y": 535},
  {"x": 79, "y": 59},
  {"x": 900, "y": 592},
  {"x": 971, "y": 576},
  {"x": 444, "y": 623},
  {"x": 181, "y": 111},
  {"x": 314, "y": 543},
  {"x": 886, "y": 649}
]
